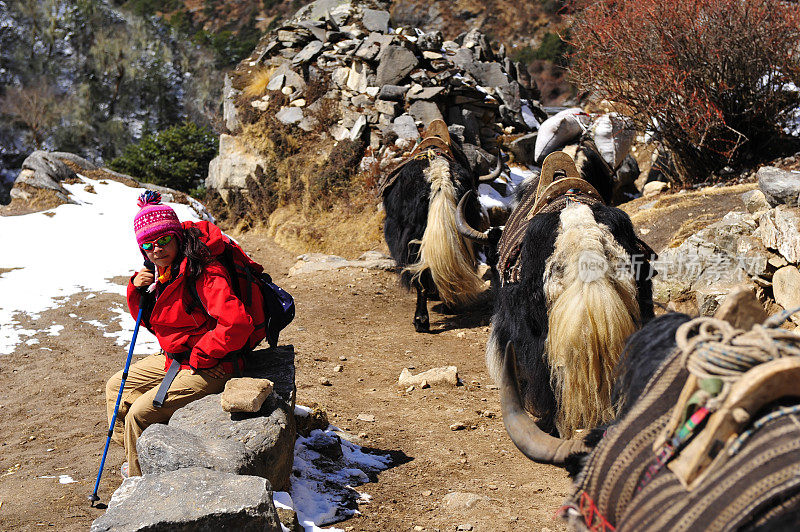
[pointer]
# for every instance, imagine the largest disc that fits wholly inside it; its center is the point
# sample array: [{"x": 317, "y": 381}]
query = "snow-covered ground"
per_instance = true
[{"x": 70, "y": 250}]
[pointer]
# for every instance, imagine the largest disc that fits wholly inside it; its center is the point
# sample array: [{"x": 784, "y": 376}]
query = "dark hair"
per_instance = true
[{"x": 197, "y": 257}]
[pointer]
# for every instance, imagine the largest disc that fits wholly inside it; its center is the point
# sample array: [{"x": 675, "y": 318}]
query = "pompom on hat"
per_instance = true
[{"x": 154, "y": 219}]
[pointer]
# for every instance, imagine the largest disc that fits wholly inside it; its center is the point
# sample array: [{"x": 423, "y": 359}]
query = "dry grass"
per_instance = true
[
  {"x": 347, "y": 228},
  {"x": 257, "y": 82},
  {"x": 690, "y": 227}
]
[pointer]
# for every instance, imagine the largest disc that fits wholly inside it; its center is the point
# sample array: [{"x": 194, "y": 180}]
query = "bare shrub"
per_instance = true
[{"x": 717, "y": 79}]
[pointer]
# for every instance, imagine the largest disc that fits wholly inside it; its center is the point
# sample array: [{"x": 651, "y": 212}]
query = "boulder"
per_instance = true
[
  {"x": 711, "y": 262},
  {"x": 190, "y": 499},
  {"x": 786, "y": 288},
  {"x": 338, "y": 10},
  {"x": 233, "y": 165},
  {"x": 489, "y": 74},
  {"x": 202, "y": 434},
  {"x": 43, "y": 171},
  {"x": 245, "y": 394},
  {"x": 654, "y": 188},
  {"x": 779, "y": 229},
  {"x": 755, "y": 201},
  {"x": 396, "y": 62},
  {"x": 780, "y": 187}
]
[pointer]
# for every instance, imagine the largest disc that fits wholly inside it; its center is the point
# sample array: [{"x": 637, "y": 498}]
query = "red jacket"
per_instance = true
[{"x": 208, "y": 333}]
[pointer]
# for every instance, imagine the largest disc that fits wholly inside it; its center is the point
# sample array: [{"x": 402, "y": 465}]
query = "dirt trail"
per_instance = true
[{"x": 52, "y": 408}]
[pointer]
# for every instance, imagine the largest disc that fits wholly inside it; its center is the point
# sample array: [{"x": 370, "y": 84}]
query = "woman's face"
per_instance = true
[{"x": 163, "y": 256}]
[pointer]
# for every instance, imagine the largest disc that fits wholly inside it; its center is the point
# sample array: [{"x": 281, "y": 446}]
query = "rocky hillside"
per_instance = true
[{"x": 89, "y": 78}]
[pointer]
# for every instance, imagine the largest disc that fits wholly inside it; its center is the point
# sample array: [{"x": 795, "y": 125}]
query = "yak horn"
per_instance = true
[
  {"x": 461, "y": 222},
  {"x": 488, "y": 178},
  {"x": 532, "y": 441}
]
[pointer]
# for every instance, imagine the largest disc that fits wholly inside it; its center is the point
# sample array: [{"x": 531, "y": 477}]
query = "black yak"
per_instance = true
[
  {"x": 420, "y": 199},
  {"x": 574, "y": 283},
  {"x": 705, "y": 434}
]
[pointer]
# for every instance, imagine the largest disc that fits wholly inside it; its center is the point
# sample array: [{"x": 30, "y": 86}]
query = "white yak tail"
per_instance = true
[
  {"x": 592, "y": 309},
  {"x": 451, "y": 261}
]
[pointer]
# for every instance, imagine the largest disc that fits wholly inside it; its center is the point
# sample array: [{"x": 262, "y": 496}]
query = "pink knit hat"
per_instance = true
[{"x": 154, "y": 219}]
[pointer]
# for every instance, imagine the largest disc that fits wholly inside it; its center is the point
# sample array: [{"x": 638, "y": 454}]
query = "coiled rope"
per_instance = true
[{"x": 714, "y": 349}]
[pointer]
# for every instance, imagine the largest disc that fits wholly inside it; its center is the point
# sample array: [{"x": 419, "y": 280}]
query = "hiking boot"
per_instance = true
[{"x": 124, "y": 470}]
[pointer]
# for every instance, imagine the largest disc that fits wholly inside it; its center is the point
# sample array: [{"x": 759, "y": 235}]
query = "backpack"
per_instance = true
[{"x": 270, "y": 306}]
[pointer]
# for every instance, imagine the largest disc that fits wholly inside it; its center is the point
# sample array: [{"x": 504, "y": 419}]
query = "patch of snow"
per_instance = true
[
  {"x": 302, "y": 411},
  {"x": 32, "y": 341},
  {"x": 103, "y": 224},
  {"x": 65, "y": 479},
  {"x": 322, "y": 488},
  {"x": 54, "y": 330}
]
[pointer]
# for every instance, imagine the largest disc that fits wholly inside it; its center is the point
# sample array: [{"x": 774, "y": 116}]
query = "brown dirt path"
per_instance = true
[{"x": 52, "y": 408}]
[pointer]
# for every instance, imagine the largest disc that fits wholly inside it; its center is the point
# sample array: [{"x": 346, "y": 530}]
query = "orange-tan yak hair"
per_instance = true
[
  {"x": 450, "y": 260},
  {"x": 592, "y": 309}
]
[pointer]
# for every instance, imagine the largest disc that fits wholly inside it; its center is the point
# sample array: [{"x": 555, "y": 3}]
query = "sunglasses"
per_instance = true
[{"x": 160, "y": 242}]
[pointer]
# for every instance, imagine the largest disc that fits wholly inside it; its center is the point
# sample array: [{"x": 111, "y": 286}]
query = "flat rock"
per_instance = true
[
  {"x": 245, "y": 394},
  {"x": 459, "y": 500},
  {"x": 309, "y": 52},
  {"x": 489, "y": 74},
  {"x": 424, "y": 93},
  {"x": 315, "y": 262},
  {"x": 405, "y": 127},
  {"x": 375, "y": 20},
  {"x": 395, "y": 93},
  {"x": 191, "y": 499},
  {"x": 437, "y": 376},
  {"x": 425, "y": 111},
  {"x": 396, "y": 62},
  {"x": 780, "y": 187},
  {"x": 289, "y": 115}
]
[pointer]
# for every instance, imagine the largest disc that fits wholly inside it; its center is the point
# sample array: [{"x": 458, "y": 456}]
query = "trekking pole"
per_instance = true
[{"x": 93, "y": 498}]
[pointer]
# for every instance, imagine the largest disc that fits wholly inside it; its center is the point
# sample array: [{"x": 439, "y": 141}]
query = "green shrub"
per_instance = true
[{"x": 176, "y": 157}]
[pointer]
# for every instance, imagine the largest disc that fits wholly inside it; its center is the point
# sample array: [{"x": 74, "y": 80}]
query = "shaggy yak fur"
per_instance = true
[
  {"x": 569, "y": 324},
  {"x": 421, "y": 233}
]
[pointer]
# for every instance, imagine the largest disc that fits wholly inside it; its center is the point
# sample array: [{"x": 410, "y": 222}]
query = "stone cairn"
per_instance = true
[{"x": 387, "y": 84}]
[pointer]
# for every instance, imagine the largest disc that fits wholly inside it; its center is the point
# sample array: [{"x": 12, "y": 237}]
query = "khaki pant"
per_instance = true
[{"x": 136, "y": 410}]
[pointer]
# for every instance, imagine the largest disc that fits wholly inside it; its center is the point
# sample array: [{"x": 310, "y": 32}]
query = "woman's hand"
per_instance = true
[
  {"x": 216, "y": 372},
  {"x": 144, "y": 278}
]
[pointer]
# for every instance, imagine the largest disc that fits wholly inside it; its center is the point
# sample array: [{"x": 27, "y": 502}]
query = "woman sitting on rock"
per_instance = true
[{"x": 197, "y": 340}]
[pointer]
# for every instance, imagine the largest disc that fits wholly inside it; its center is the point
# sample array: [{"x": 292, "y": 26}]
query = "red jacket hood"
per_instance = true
[{"x": 211, "y": 236}]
